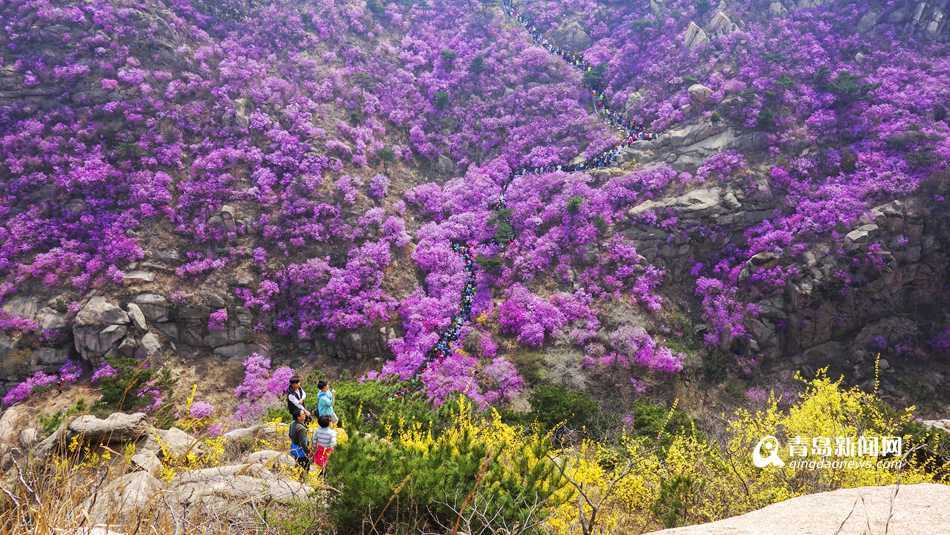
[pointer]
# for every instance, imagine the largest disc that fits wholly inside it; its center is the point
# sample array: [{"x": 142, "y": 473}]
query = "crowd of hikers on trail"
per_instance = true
[
  {"x": 451, "y": 334},
  {"x": 304, "y": 449},
  {"x": 626, "y": 128},
  {"x": 630, "y": 132}
]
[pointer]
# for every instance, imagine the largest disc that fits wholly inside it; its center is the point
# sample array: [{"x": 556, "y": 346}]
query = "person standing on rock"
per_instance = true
[
  {"x": 295, "y": 397},
  {"x": 299, "y": 443},
  {"x": 325, "y": 399}
]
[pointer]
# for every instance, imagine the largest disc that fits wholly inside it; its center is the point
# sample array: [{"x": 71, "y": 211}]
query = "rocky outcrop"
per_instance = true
[
  {"x": 571, "y": 36},
  {"x": 118, "y": 428},
  {"x": 237, "y": 329},
  {"x": 892, "y": 509},
  {"x": 98, "y": 328},
  {"x": 123, "y": 496},
  {"x": 155, "y": 307},
  {"x": 230, "y": 488},
  {"x": 172, "y": 443},
  {"x": 721, "y": 24},
  {"x": 695, "y": 36},
  {"x": 942, "y": 425},
  {"x": 271, "y": 458},
  {"x": 894, "y": 259},
  {"x": 362, "y": 343},
  {"x": 688, "y": 146},
  {"x": 699, "y": 93},
  {"x": 927, "y": 18},
  {"x": 147, "y": 461}
]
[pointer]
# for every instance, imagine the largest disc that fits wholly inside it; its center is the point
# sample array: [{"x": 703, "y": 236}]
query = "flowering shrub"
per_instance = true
[
  {"x": 849, "y": 130},
  {"x": 69, "y": 372},
  {"x": 200, "y": 410},
  {"x": 23, "y": 390},
  {"x": 218, "y": 319},
  {"x": 102, "y": 372},
  {"x": 260, "y": 387}
]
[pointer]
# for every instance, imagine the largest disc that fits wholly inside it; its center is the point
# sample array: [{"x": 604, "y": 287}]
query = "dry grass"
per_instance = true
[{"x": 56, "y": 497}]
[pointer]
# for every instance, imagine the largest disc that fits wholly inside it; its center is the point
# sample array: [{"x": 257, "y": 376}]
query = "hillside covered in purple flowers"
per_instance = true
[{"x": 407, "y": 189}]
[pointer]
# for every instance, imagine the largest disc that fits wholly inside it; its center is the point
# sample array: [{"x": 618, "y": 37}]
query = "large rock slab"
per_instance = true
[
  {"x": 916, "y": 510},
  {"x": 155, "y": 307},
  {"x": 22, "y": 306},
  {"x": 116, "y": 429},
  {"x": 122, "y": 496},
  {"x": 695, "y": 36},
  {"x": 271, "y": 458},
  {"x": 943, "y": 425},
  {"x": 571, "y": 36},
  {"x": 172, "y": 443},
  {"x": 12, "y": 421},
  {"x": 99, "y": 327},
  {"x": 100, "y": 312},
  {"x": 234, "y": 486},
  {"x": 147, "y": 461},
  {"x": 137, "y": 316}
]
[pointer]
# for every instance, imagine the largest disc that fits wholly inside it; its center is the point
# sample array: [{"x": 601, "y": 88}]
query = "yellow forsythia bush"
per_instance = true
[{"x": 687, "y": 478}]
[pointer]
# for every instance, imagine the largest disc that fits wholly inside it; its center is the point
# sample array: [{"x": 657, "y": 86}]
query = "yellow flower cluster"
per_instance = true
[{"x": 688, "y": 478}]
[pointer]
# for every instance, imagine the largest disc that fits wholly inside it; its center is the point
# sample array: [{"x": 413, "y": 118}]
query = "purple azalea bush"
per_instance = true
[{"x": 261, "y": 386}]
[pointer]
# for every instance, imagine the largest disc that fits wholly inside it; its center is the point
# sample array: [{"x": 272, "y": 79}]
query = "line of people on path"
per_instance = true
[
  {"x": 303, "y": 449},
  {"x": 453, "y": 331},
  {"x": 630, "y": 132}
]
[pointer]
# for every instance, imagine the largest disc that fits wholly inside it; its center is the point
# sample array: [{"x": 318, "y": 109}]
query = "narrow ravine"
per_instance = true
[{"x": 628, "y": 132}]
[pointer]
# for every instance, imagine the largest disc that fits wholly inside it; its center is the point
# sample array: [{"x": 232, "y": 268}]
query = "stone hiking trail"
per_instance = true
[{"x": 605, "y": 158}]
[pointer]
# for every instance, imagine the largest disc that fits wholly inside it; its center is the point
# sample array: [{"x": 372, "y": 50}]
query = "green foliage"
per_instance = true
[
  {"x": 448, "y": 56},
  {"x": 933, "y": 448},
  {"x": 441, "y": 99},
  {"x": 574, "y": 204},
  {"x": 656, "y": 422},
  {"x": 785, "y": 81},
  {"x": 641, "y": 24},
  {"x": 386, "y": 154},
  {"x": 847, "y": 87},
  {"x": 849, "y": 160},
  {"x": 504, "y": 232},
  {"x": 120, "y": 393},
  {"x": 478, "y": 65},
  {"x": 489, "y": 263},
  {"x": 420, "y": 475},
  {"x": 552, "y": 405},
  {"x": 594, "y": 78},
  {"x": 376, "y": 7},
  {"x": 372, "y": 405},
  {"x": 766, "y": 119},
  {"x": 51, "y": 422},
  {"x": 671, "y": 505},
  {"x": 365, "y": 80},
  {"x": 555, "y": 406}
]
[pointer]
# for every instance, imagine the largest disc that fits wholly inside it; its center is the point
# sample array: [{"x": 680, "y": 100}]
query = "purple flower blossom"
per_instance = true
[
  {"x": 201, "y": 409},
  {"x": 217, "y": 320},
  {"x": 103, "y": 372}
]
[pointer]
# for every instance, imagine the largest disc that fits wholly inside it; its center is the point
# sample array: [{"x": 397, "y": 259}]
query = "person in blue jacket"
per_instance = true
[{"x": 325, "y": 399}]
